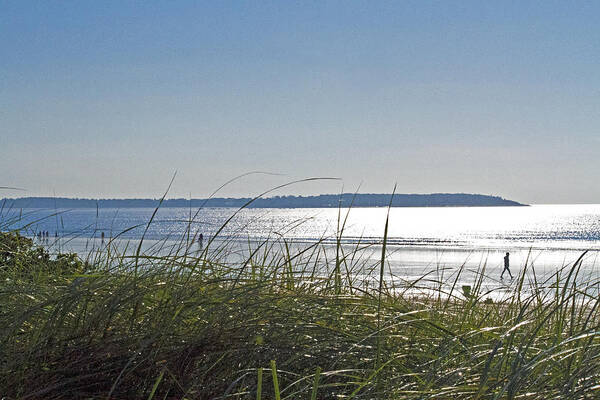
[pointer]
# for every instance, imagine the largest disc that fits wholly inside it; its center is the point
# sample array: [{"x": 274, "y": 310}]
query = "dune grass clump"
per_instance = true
[{"x": 284, "y": 323}]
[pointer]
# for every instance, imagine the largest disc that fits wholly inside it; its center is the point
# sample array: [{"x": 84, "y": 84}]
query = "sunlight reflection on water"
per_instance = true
[{"x": 419, "y": 239}]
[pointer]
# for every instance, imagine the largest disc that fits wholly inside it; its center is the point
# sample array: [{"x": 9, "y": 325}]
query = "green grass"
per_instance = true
[{"x": 185, "y": 325}]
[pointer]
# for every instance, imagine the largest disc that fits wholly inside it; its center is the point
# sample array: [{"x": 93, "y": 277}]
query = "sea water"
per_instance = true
[{"x": 420, "y": 241}]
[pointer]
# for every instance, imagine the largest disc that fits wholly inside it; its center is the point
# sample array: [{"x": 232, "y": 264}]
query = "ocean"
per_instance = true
[{"x": 419, "y": 240}]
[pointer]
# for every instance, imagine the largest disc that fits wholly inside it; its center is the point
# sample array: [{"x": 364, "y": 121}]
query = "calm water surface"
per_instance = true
[{"x": 419, "y": 239}]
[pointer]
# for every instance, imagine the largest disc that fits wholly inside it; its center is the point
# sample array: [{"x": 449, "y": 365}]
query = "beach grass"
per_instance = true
[{"x": 285, "y": 322}]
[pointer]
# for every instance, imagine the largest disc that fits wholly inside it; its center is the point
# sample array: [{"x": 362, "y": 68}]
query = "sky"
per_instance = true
[{"x": 112, "y": 99}]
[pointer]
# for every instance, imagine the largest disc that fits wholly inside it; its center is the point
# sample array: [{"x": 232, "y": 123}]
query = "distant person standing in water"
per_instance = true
[
  {"x": 506, "y": 266},
  {"x": 102, "y": 237},
  {"x": 200, "y": 240}
]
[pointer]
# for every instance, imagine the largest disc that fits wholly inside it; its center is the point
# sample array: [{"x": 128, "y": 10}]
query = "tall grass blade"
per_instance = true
[
  {"x": 275, "y": 380},
  {"x": 313, "y": 395},
  {"x": 380, "y": 291},
  {"x": 259, "y": 384},
  {"x": 156, "y": 383}
]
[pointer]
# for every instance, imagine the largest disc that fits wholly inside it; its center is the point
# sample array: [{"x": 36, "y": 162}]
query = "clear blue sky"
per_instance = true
[{"x": 108, "y": 99}]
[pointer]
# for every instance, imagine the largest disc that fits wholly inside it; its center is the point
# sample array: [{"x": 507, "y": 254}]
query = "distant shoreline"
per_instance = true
[{"x": 320, "y": 201}]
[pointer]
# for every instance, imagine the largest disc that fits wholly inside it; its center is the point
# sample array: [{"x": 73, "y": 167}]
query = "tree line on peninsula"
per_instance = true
[{"x": 319, "y": 201}]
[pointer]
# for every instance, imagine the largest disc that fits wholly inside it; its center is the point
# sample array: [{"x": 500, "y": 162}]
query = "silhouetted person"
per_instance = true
[
  {"x": 200, "y": 240},
  {"x": 506, "y": 266},
  {"x": 55, "y": 234},
  {"x": 102, "y": 237}
]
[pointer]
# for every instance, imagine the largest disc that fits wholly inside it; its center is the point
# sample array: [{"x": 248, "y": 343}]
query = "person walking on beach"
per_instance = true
[
  {"x": 506, "y": 266},
  {"x": 200, "y": 240}
]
